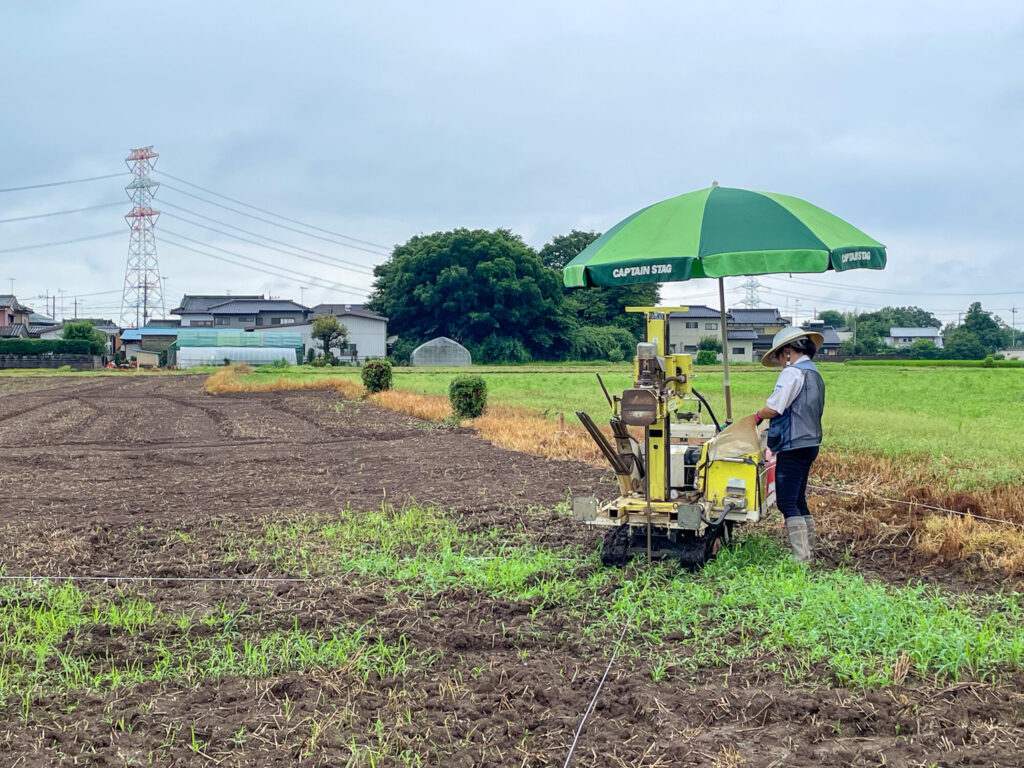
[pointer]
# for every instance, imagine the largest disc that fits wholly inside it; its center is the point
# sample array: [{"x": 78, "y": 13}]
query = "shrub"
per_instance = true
[
  {"x": 989, "y": 362},
  {"x": 310, "y": 355},
  {"x": 709, "y": 343},
  {"x": 401, "y": 351},
  {"x": 601, "y": 342},
  {"x": 468, "y": 395},
  {"x": 33, "y": 347},
  {"x": 707, "y": 357},
  {"x": 500, "y": 349},
  {"x": 377, "y": 375}
]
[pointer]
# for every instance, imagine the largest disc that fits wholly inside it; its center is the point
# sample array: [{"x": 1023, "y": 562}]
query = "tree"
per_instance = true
[
  {"x": 985, "y": 328},
  {"x": 84, "y": 330},
  {"x": 959, "y": 343},
  {"x": 330, "y": 333},
  {"x": 877, "y": 324},
  {"x": 832, "y": 318},
  {"x": 601, "y": 306},
  {"x": 924, "y": 349},
  {"x": 472, "y": 286}
]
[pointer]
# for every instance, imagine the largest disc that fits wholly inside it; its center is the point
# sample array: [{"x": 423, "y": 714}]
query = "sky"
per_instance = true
[{"x": 380, "y": 121}]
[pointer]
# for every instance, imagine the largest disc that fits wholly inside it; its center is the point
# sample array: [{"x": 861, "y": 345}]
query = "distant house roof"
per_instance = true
[
  {"x": 136, "y": 334},
  {"x": 831, "y": 338},
  {"x": 37, "y": 319},
  {"x": 9, "y": 300},
  {"x": 197, "y": 303},
  {"x": 255, "y": 306},
  {"x": 698, "y": 311},
  {"x": 925, "y": 333},
  {"x": 742, "y": 334},
  {"x": 340, "y": 310},
  {"x": 758, "y": 316},
  {"x": 14, "y": 331}
]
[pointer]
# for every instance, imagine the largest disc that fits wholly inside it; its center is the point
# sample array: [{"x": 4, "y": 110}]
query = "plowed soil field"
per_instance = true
[{"x": 148, "y": 476}]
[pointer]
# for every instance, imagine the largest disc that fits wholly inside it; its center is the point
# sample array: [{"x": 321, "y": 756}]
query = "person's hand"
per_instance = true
[{"x": 757, "y": 418}]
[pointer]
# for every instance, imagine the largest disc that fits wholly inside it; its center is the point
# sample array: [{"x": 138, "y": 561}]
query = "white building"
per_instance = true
[
  {"x": 904, "y": 337},
  {"x": 367, "y": 331}
]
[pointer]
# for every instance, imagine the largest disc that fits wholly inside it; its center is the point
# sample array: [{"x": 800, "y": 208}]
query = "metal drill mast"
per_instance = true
[{"x": 143, "y": 295}]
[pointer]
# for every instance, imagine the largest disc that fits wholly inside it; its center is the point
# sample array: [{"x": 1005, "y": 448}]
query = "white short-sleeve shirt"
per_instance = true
[{"x": 787, "y": 386}]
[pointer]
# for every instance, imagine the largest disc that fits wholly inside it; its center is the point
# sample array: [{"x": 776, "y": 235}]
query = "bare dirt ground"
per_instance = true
[{"x": 148, "y": 475}]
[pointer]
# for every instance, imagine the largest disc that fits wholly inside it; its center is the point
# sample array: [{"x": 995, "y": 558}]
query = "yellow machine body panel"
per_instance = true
[{"x": 733, "y": 480}]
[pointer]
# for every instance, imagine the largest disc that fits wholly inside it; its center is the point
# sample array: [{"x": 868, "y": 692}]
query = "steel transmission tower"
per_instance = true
[
  {"x": 143, "y": 293},
  {"x": 751, "y": 300}
]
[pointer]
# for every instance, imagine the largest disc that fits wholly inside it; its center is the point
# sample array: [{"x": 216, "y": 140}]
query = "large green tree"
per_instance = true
[
  {"x": 487, "y": 290},
  {"x": 597, "y": 306},
  {"x": 832, "y": 317},
  {"x": 985, "y": 327},
  {"x": 84, "y": 330},
  {"x": 877, "y": 324}
]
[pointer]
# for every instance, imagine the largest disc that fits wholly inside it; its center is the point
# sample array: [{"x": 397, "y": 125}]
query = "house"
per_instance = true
[
  {"x": 367, "y": 331},
  {"x": 686, "y": 329},
  {"x": 741, "y": 344},
  {"x": 133, "y": 340},
  {"x": 904, "y": 337},
  {"x": 14, "y": 318},
  {"x": 107, "y": 326},
  {"x": 239, "y": 312},
  {"x": 761, "y": 320}
]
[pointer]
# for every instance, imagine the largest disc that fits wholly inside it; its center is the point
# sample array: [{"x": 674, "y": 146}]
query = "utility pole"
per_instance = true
[
  {"x": 61, "y": 292},
  {"x": 796, "y": 313}
]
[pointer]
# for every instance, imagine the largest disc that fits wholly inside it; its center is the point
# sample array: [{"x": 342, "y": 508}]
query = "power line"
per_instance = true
[
  {"x": 277, "y": 215},
  {"x": 62, "y": 242},
  {"x": 324, "y": 258},
  {"x": 60, "y": 213},
  {"x": 61, "y": 183},
  {"x": 900, "y": 292},
  {"x": 282, "y": 276},
  {"x": 280, "y": 272},
  {"x": 276, "y": 224}
]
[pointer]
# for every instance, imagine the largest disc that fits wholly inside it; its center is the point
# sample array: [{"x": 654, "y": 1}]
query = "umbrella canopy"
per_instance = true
[{"x": 720, "y": 232}]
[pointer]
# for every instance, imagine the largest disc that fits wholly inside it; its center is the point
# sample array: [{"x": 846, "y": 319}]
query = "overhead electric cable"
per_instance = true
[
  {"x": 281, "y": 275},
  {"x": 277, "y": 215},
  {"x": 60, "y": 183},
  {"x": 274, "y": 223},
  {"x": 62, "y": 242},
  {"x": 330, "y": 261},
  {"x": 896, "y": 291},
  {"x": 284, "y": 271},
  {"x": 61, "y": 213}
]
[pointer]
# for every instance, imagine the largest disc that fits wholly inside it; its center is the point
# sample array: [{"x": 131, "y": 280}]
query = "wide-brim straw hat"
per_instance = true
[{"x": 787, "y": 336}]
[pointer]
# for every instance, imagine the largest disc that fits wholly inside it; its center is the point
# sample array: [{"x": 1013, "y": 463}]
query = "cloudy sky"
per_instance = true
[{"x": 378, "y": 121}]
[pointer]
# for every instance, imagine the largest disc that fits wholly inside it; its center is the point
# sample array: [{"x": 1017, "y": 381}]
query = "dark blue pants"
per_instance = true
[{"x": 791, "y": 470}]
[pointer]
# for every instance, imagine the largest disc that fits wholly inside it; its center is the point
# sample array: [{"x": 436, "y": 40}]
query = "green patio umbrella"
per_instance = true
[{"x": 721, "y": 232}]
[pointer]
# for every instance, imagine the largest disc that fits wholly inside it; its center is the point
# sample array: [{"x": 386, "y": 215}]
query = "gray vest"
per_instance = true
[{"x": 799, "y": 426}]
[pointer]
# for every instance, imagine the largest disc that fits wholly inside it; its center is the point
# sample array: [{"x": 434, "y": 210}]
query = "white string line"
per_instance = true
[
  {"x": 593, "y": 699},
  {"x": 911, "y": 503}
]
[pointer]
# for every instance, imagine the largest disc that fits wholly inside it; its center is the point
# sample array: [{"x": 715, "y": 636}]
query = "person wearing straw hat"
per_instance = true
[{"x": 794, "y": 434}]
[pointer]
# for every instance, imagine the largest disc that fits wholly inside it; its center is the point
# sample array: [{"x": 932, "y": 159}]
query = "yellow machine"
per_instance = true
[{"x": 684, "y": 483}]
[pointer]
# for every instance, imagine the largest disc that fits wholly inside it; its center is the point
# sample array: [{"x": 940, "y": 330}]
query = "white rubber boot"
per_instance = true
[{"x": 797, "y": 530}]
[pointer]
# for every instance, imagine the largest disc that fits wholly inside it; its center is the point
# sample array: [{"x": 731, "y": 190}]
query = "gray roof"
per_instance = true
[
  {"x": 13, "y": 331},
  {"x": 203, "y": 302},
  {"x": 757, "y": 316},
  {"x": 9, "y": 300},
  {"x": 341, "y": 310},
  {"x": 255, "y": 306},
  {"x": 37, "y": 319},
  {"x": 830, "y": 336},
  {"x": 742, "y": 334},
  {"x": 698, "y": 311},
  {"x": 925, "y": 333}
]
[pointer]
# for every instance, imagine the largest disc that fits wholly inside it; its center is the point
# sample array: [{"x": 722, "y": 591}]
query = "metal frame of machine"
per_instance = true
[{"x": 679, "y": 497}]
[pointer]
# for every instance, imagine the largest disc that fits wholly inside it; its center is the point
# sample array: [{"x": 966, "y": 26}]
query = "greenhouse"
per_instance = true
[
  {"x": 441, "y": 351},
  {"x": 206, "y": 346}
]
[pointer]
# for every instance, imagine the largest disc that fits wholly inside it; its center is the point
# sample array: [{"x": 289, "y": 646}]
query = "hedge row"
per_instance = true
[
  {"x": 987, "y": 363},
  {"x": 33, "y": 347}
]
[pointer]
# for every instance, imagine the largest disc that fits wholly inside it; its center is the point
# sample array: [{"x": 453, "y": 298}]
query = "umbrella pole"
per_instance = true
[{"x": 725, "y": 351}]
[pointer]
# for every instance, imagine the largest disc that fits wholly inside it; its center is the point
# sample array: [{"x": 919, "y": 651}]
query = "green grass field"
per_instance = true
[{"x": 965, "y": 422}]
